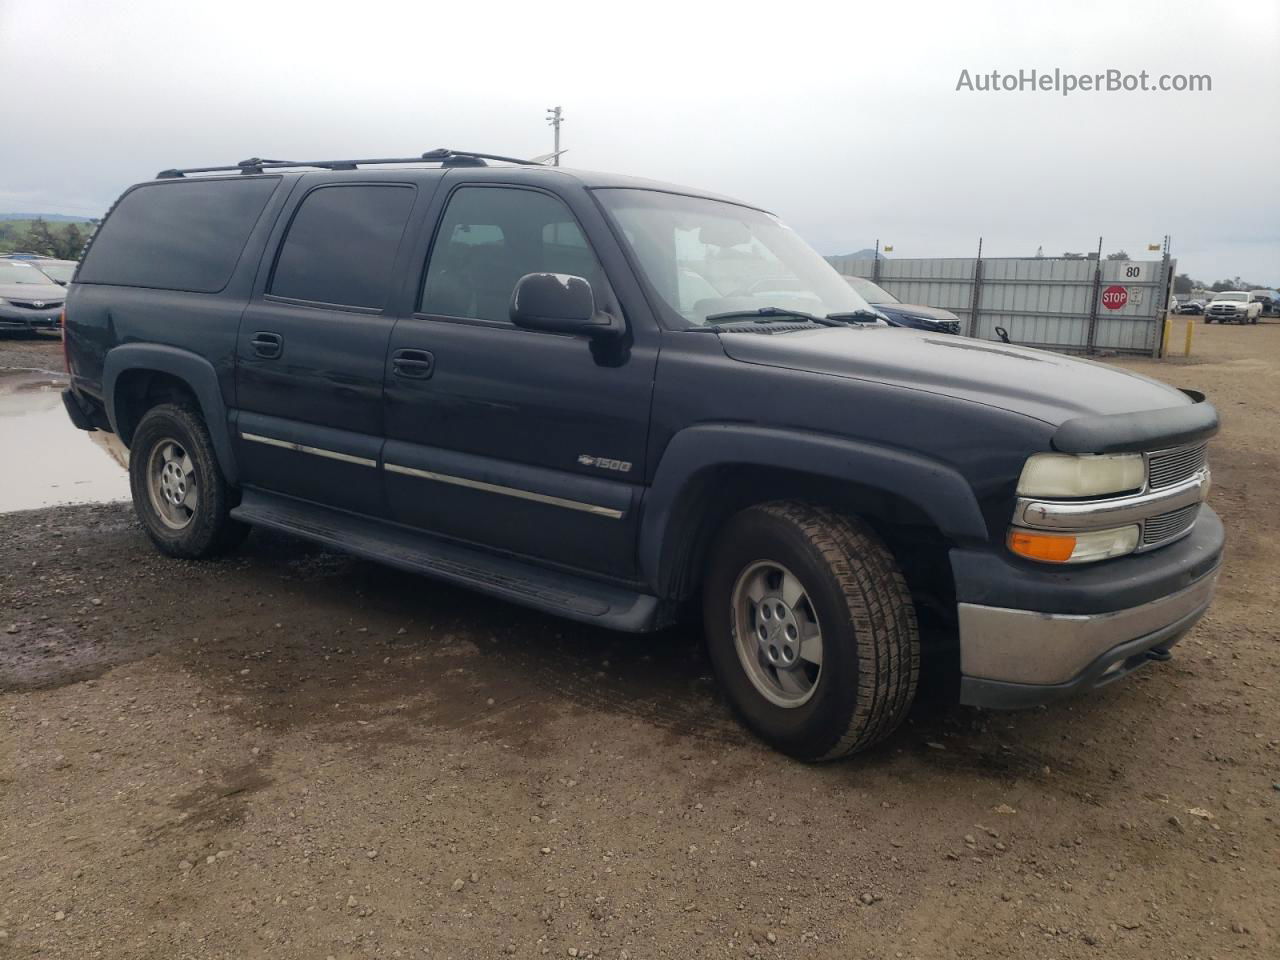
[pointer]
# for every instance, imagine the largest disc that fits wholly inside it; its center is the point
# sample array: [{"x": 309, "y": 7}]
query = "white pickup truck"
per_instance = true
[{"x": 1238, "y": 306}]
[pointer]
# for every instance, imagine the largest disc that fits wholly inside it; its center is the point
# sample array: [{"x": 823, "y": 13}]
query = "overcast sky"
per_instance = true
[{"x": 842, "y": 118}]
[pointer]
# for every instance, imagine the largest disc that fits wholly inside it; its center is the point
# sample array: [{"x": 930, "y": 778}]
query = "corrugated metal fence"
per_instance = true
[{"x": 1055, "y": 302}]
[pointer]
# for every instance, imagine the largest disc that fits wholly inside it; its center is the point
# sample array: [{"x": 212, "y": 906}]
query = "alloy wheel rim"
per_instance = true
[
  {"x": 171, "y": 484},
  {"x": 776, "y": 633}
]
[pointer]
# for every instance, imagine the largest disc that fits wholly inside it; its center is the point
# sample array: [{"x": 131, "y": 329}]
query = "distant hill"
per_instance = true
[
  {"x": 866, "y": 253},
  {"x": 46, "y": 217}
]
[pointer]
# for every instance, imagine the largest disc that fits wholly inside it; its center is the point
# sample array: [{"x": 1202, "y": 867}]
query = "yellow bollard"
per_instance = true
[
  {"x": 1190, "y": 327},
  {"x": 1168, "y": 332}
]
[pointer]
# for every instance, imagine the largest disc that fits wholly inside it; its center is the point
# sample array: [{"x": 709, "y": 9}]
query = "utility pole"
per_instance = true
[{"x": 554, "y": 118}]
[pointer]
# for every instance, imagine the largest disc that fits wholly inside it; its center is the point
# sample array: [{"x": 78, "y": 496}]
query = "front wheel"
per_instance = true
[
  {"x": 179, "y": 492},
  {"x": 811, "y": 629}
]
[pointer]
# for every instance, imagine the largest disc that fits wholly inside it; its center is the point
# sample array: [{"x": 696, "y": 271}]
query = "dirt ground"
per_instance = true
[{"x": 291, "y": 753}]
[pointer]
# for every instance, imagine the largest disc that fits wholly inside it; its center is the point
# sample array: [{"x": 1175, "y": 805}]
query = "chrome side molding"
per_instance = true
[
  {"x": 314, "y": 451},
  {"x": 591, "y": 508}
]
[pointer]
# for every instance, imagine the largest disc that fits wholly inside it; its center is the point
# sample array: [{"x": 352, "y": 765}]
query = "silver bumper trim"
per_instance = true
[{"x": 1025, "y": 646}]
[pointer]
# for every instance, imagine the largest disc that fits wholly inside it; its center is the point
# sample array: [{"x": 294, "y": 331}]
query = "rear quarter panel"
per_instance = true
[{"x": 101, "y": 316}]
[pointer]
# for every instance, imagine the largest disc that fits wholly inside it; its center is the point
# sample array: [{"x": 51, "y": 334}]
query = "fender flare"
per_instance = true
[
  {"x": 194, "y": 370},
  {"x": 935, "y": 488}
]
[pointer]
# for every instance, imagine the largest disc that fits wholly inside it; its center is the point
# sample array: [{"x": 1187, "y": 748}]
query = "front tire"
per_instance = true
[
  {"x": 811, "y": 630},
  {"x": 179, "y": 492}
]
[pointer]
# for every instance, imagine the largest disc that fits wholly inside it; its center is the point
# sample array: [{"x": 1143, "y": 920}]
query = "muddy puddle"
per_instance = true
[{"x": 44, "y": 460}]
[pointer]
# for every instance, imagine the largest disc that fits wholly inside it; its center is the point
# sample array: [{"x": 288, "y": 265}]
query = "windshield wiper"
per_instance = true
[
  {"x": 854, "y": 316},
  {"x": 767, "y": 314}
]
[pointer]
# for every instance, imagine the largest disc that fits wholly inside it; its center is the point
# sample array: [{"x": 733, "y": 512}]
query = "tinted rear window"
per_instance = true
[
  {"x": 177, "y": 236},
  {"x": 341, "y": 245}
]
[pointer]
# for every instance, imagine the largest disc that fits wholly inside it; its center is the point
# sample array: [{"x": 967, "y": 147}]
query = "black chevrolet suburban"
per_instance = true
[{"x": 626, "y": 402}]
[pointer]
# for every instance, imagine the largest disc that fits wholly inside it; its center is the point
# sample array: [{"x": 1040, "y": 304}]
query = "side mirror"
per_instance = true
[{"x": 560, "y": 303}]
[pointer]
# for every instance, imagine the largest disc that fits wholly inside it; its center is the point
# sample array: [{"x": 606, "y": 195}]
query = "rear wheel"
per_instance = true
[
  {"x": 811, "y": 629},
  {"x": 179, "y": 492}
]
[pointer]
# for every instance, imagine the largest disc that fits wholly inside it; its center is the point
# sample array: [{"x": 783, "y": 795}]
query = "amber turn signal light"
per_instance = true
[{"x": 1045, "y": 547}]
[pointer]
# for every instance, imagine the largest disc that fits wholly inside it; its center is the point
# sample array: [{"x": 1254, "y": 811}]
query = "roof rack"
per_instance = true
[{"x": 448, "y": 158}]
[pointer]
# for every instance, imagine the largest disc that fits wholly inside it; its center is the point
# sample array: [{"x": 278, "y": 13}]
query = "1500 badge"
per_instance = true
[{"x": 604, "y": 463}]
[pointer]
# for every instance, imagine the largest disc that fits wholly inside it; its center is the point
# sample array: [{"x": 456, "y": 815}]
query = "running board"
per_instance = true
[{"x": 551, "y": 591}]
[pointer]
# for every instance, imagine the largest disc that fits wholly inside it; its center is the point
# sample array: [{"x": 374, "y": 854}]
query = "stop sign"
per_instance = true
[{"x": 1115, "y": 297}]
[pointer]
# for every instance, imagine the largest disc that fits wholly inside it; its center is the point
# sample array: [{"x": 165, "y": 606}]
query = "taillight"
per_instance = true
[{"x": 66, "y": 356}]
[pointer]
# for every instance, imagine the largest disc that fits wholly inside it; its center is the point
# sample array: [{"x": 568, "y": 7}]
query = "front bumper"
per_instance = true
[
  {"x": 12, "y": 319},
  {"x": 1086, "y": 630}
]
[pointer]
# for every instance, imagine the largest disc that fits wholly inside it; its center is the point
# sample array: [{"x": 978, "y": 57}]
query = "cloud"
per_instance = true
[{"x": 844, "y": 120}]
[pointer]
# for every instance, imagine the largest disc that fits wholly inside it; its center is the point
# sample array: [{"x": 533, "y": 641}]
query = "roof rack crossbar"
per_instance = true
[{"x": 256, "y": 165}]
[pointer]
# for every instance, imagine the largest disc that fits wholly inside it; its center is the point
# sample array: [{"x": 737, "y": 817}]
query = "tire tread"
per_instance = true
[
  {"x": 216, "y": 532},
  {"x": 880, "y": 608}
]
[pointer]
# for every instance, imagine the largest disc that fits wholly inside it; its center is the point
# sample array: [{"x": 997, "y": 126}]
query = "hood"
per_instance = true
[
  {"x": 49, "y": 292},
  {"x": 1035, "y": 383},
  {"x": 918, "y": 310}
]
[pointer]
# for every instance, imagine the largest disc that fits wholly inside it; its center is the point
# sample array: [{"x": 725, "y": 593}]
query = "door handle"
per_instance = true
[
  {"x": 267, "y": 345},
  {"x": 415, "y": 364}
]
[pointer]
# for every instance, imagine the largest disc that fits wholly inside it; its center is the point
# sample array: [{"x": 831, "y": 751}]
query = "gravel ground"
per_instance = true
[
  {"x": 291, "y": 753},
  {"x": 36, "y": 351}
]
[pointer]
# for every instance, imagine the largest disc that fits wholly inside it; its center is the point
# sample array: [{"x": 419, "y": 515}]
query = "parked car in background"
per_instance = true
[
  {"x": 901, "y": 314},
  {"x": 1233, "y": 306},
  {"x": 59, "y": 271},
  {"x": 1189, "y": 306},
  {"x": 29, "y": 300},
  {"x": 1270, "y": 300}
]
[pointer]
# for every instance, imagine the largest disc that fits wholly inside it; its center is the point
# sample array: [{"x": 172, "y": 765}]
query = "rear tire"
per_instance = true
[
  {"x": 179, "y": 492},
  {"x": 782, "y": 574}
]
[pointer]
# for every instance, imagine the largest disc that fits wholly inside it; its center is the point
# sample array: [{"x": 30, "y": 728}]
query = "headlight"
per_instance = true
[
  {"x": 1090, "y": 475},
  {"x": 1073, "y": 547}
]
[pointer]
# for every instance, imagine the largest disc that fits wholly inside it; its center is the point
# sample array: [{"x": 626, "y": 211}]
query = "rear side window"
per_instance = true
[
  {"x": 177, "y": 236},
  {"x": 341, "y": 245}
]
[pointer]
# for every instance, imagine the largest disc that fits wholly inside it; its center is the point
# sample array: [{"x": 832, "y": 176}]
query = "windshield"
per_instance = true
[
  {"x": 1231, "y": 296},
  {"x": 11, "y": 271},
  {"x": 708, "y": 257},
  {"x": 58, "y": 271},
  {"x": 871, "y": 292}
]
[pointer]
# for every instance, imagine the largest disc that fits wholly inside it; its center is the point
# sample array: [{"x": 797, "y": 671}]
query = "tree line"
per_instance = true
[
  {"x": 65, "y": 241},
  {"x": 1184, "y": 284}
]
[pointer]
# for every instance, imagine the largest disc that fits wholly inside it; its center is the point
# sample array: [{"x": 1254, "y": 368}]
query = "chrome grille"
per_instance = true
[
  {"x": 1168, "y": 467},
  {"x": 31, "y": 304},
  {"x": 1168, "y": 525}
]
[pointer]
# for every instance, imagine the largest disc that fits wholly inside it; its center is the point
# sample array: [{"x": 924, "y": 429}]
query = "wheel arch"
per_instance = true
[
  {"x": 136, "y": 376},
  {"x": 708, "y": 473}
]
